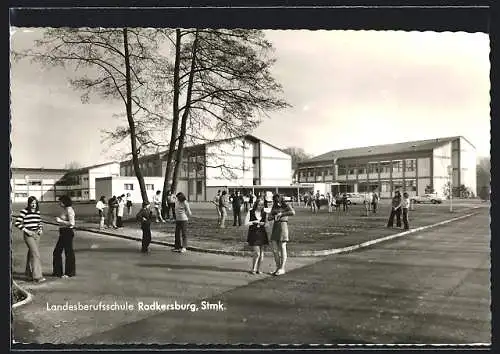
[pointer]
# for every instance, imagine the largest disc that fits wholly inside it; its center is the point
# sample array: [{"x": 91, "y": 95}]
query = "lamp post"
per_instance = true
[{"x": 450, "y": 173}]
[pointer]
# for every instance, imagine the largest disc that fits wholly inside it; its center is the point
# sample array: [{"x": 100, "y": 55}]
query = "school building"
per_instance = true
[
  {"x": 243, "y": 162},
  {"x": 415, "y": 167}
]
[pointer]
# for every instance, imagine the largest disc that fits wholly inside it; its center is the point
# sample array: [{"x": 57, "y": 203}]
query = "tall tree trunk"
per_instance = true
[
  {"x": 175, "y": 121},
  {"x": 130, "y": 119},
  {"x": 185, "y": 115}
]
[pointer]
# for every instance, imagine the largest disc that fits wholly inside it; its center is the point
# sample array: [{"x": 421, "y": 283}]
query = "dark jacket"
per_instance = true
[
  {"x": 237, "y": 201},
  {"x": 144, "y": 216}
]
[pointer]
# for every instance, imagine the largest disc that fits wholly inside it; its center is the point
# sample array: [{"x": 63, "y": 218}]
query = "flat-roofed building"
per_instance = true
[{"x": 416, "y": 167}]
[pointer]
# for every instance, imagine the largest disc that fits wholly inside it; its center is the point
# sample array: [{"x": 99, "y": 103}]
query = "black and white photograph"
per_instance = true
[{"x": 249, "y": 186}]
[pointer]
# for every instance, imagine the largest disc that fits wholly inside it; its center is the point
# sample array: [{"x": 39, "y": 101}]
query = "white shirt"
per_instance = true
[
  {"x": 121, "y": 206},
  {"x": 157, "y": 200},
  {"x": 405, "y": 203},
  {"x": 100, "y": 206}
]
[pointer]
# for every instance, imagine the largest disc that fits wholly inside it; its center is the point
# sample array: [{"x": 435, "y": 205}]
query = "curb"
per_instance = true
[
  {"x": 320, "y": 253},
  {"x": 28, "y": 295}
]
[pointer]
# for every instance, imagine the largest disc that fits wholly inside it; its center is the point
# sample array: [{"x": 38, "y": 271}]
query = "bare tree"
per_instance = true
[{"x": 111, "y": 63}]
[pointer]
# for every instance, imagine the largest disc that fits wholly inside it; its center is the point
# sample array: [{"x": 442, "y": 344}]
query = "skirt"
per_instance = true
[
  {"x": 257, "y": 236},
  {"x": 280, "y": 232}
]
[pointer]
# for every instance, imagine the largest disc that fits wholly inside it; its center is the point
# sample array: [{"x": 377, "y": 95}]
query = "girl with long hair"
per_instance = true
[
  {"x": 280, "y": 212},
  {"x": 257, "y": 234},
  {"x": 66, "y": 223}
]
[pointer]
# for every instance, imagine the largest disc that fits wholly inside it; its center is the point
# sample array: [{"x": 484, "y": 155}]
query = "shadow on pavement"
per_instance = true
[{"x": 198, "y": 267}]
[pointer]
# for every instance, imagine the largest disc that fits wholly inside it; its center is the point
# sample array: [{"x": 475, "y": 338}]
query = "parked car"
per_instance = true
[
  {"x": 352, "y": 198},
  {"x": 427, "y": 198}
]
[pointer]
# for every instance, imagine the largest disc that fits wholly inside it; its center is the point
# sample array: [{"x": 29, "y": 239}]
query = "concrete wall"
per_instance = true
[
  {"x": 441, "y": 159},
  {"x": 40, "y": 184},
  {"x": 112, "y": 169},
  {"x": 118, "y": 185},
  {"x": 468, "y": 165},
  {"x": 276, "y": 166}
]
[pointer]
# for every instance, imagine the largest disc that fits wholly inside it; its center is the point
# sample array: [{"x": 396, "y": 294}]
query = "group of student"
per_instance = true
[
  {"x": 29, "y": 222},
  {"x": 224, "y": 202},
  {"x": 116, "y": 208}
]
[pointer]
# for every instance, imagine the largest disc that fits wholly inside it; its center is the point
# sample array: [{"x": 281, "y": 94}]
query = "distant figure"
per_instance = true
[
  {"x": 215, "y": 201},
  {"x": 317, "y": 198},
  {"x": 345, "y": 203},
  {"x": 306, "y": 200},
  {"x": 280, "y": 212},
  {"x": 182, "y": 212},
  {"x": 257, "y": 234},
  {"x": 100, "y": 206},
  {"x": 145, "y": 216},
  {"x": 120, "y": 210},
  {"x": 405, "y": 205},
  {"x": 395, "y": 210},
  {"x": 128, "y": 204},
  {"x": 157, "y": 206},
  {"x": 375, "y": 200},
  {"x": 66, "y": 223},
  {"x": 171, "y": 205},
  {"x": 30, "y": 223},
  {"x": 237, "y": 201},
  {"x": 246, "y": 200},
  {"x": 329, "y": 199},
  {"x": 224, "y": 206}
]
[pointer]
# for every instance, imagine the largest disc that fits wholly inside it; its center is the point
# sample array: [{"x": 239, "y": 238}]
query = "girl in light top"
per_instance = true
[
  {"x": 257, "y": 234},
  {"x": 405, "y": 205},
  {"x": 66, "y": 223},
  {"x": 30, "y": 223},
  {"x": 182, "y": 214},
  {"x": 280, "y": 212},
  {"x": 119, "y": 212},
  {"x": 101, "y": 204},
  {"x": 157, "y": 206}
]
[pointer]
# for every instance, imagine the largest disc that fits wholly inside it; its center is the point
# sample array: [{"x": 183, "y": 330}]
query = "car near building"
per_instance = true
[
  {"x": 352, "y": 198},
  {"x": 427, "y": 198}
]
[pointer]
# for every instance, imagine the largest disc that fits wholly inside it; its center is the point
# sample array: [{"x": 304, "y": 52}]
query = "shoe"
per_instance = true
[
  {"x": 259, "y": 272},
  {"x": 279, "y": 272},
  {"x": 65, "y": 276},
  {"x": 183, "y": 250},
  {"x": 41, "y": 280},
  {"x": 176, "y": 249},
  {"x": 253, "y": 272}
]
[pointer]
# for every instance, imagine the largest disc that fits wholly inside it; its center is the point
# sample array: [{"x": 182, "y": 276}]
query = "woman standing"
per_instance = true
[
  {"x": 182, "y": 212},
  {"x": 395, "y": 210},
  {"x": 101, "y": 204},
  {"x": 280, "y": 212},
  {"x": 128, "y": 203},
  {"x": 171, "y": 205},
  {"x": 30, "y": 223},
  {"x": 119, "y": 212},
  {"x": 157, "y": 205},
  {"x": 257, "y": 234},
  {"x": 66, "y": 223},
  {"x": 223, "y": 206}
]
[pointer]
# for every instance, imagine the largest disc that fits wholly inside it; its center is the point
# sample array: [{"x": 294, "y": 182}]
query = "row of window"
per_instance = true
[
  {"x": 130, "y": 187},
  {"x": 410, "y": 165}
]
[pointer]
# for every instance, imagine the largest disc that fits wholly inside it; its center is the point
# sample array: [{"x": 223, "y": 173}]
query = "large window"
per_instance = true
[
  {"x": 385, "y": 186},
  {"x": 397, "y": 185},
  {"x": 35, "y": 183},
  {"x": 199, "y": 187},
  {"x": 342, "y": 169},
  {"x": 21, "y": 195},
  {"x": 410, "y": 185},
  {"x": 410, "y": 165},
  {"x": 311, "y": 173},
  {"x": 373, "y": 167},
  {"x": 361, "y": 169},
  {"x": 385, "y": 167},
  {"x": 128, "y": 186},
  {"x": 397, "y": 166},
  {"x": 351, "y": 170},
  {"x": 150, "y": 187}
]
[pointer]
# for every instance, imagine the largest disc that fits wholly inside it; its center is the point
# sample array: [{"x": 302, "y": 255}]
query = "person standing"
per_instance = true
[
  {"x": 128, "y": 204},
  {"x": 317, "y": 199},
  {"x": 29, "y": 222},
  {"x": 375, "y": 200},
  {"x": 345, "y": 203},
  {"x": 280, "y": 212},
  {"x": 256, "y": 220},
  {"x": 66, "y": 223},
  {"x": 223, "y": 206},
  {"x": 182, "y": 212},
  {"x": 171, "y": 205},
  {"x": 236, "y": 202},
  {"x": 329, "y": 199},
  {"x": 405, "y": 205},
  {"x": 157, "y": 206},
  {"x": 144, "y": 216},
  {"x": 395, "y": 210},
  {"x": 100, "y": 206},
  {"x": 215, "y": 201},
  {"x": 120, "y": 210}
]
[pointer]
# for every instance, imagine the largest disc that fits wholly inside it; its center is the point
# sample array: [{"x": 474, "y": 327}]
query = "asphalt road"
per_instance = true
[{"x": 432, "y": 288}]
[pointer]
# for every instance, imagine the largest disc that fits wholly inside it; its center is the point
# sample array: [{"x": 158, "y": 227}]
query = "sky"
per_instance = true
[{"x": 346, "y": 88}]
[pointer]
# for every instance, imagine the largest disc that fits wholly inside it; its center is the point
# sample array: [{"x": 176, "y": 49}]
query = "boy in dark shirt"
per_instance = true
[{"x": 145, "y": 215}]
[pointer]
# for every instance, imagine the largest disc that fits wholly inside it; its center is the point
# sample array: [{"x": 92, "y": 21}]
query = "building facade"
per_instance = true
[
  {"x": 240, "y": 162},
  {"x": 416, "y": 167}
]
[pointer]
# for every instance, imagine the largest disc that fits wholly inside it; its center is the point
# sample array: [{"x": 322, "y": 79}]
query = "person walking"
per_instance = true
[
  {"x": 182, "y": 212},
  {"x": 256, "y": 220},
  {"x": 29, "y": 222},
  {"x": 280, "y": 212},
  {"x": 157, "y": 206},
  {"x": 145, "y": 216},
  {"x": 395, "y": 210},
  {"x": 236, "y": 202},
  {"x": 223, "y": 206},
  {"x": 120, "y": 210},
  {"x": 171, "y": 205},
  {"x": 215, "y": 201},
  {"x": 405, "y": 205},
  {"x": 100, "y": 206},
  {"x": 375, "y": 200},
  {"x": 66, "y": 223},
  {"x": 129, "y": 204}
]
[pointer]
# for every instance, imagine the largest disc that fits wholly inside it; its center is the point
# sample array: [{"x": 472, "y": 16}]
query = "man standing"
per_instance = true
[
  {"x": 237, "y": 201},
  {"x": 217, "y": 207},
  {"x": 374, "y": 201}
]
